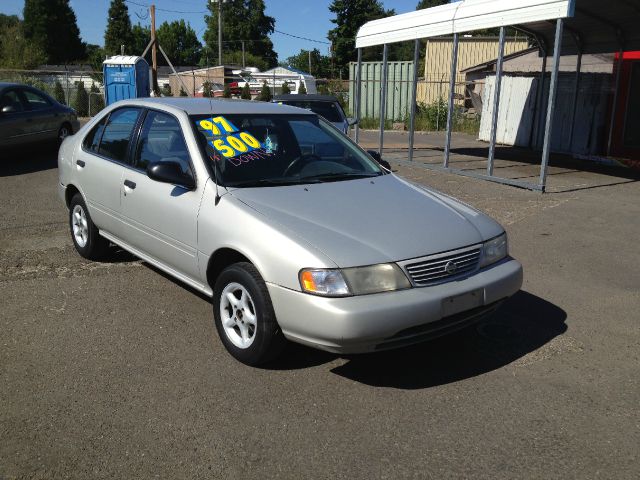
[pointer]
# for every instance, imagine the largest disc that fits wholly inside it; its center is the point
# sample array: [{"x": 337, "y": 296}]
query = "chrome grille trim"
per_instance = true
[{"x": 430, "y": 270}]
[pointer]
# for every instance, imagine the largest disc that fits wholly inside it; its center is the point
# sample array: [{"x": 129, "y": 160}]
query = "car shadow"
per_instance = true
[
  {"x": 522, "y": 325},
  {"x": 28, "y": 159}
]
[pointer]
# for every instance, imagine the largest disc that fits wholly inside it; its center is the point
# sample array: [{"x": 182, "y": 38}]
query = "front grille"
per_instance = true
[{"x": 443, "y": 267}]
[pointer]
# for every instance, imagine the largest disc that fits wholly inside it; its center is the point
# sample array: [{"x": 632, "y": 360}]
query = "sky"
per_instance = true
[{"x": 304, "y": 18}]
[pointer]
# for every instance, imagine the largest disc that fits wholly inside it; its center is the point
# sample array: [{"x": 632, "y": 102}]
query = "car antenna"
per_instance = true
[{"x": 216, "y": 159}]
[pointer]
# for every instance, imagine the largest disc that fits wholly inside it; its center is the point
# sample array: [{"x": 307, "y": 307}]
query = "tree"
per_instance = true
[
  {"x": 180, "y": 43},
  {"x": 430, "y": 3},
  {"x": 227, "y": 91},
  {"x": 183, "y": 93},
  {"x": 50, "y": 25},
  {"x": 246, "y": 92},
  {"x": 241, "y": 20},
  {"x": 118, "y": 30},
  {"x": 320, "y": 64},
  {"x": 97, "y": 100},
  {"x": 302, "y": 90},
  {"x": 81, "y": 102},
  {"x": 166, "y": 90},
  {"x": 285, "y": 89},
  {"x": 207, "y": 90},
  {"x": 58, "y": 93},
  {"x": 141, "y": 38},
  {"x": 265, "y": 93},
  {"x": 16, "y": 51},
  {"x": 350, "y": 15}
]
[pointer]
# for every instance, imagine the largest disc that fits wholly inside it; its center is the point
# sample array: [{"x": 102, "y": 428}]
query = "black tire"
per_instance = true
[
  {"x": 95, "y": 247},
  {"x": 63, "y": 132},
  {"x": 268, "y": 340}
]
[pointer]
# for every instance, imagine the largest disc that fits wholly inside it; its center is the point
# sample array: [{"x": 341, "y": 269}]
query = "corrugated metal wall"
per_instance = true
[
  {"x": 517, "y": 110},
  {"x": 398, "y": 89},
  {"x": 472, "y": 51}
]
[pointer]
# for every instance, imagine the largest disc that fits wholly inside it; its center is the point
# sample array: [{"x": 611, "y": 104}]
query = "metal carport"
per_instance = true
[{"x": 566, "y": 26}]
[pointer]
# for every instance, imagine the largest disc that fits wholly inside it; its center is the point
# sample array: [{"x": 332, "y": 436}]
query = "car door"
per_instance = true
[
  {"x": 13, "y": 119},
  {"x": 42, "y": 124},
  {"x": 161, "y": 218},
  {"x": 100, "y": 165}
]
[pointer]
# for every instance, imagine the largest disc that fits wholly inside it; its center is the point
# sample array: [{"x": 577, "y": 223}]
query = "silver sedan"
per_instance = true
[{"x": 294, "y": 231}]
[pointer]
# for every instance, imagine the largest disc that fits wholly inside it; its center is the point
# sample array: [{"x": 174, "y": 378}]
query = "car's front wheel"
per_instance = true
[
  {"x": 84, "y": 233},
  {"x": 244, "y": 315}
]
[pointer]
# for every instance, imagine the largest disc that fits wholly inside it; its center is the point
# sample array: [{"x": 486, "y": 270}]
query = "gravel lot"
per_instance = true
[{"x": 113, "y": 370}]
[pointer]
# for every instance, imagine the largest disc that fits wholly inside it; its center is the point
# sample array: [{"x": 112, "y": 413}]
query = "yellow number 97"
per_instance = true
[{"x": 210, "y": 127}]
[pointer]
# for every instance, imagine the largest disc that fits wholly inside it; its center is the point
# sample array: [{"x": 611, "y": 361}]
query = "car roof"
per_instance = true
[
  {"x": 305, "y": 98},
  {"x": 204, "y": 106},
  {"x": 11, "y": 84}
]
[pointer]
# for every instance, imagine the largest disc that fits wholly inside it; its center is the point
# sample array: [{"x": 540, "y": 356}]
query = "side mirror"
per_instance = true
[
  {"x": 8, "y": 109},
  {"x": 352, "y": 121},
  {"x": 170, "y": 172},
  {"x": 376, "y": 156}
]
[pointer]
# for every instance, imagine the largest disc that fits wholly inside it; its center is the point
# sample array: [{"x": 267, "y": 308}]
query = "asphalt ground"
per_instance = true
[{"x": 113, "y": 370}]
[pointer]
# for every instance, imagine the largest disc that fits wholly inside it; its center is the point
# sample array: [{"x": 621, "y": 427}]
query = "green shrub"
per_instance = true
[
  {"x": 81, "y": 102},
  {"x": 246, "y": 92},
  {"x": 58, "y": 93},
  {"x": 265, "y": 93},
  {"x": 227, "y": 91}
]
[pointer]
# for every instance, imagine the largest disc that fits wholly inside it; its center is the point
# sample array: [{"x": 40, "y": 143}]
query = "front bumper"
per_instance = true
[{"x": 392, "y": 319}]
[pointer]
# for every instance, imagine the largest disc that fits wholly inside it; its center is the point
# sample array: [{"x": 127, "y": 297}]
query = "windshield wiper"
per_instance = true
[
  {"x": 268, "y": 182},
  {"x": 323, "y": 177}
]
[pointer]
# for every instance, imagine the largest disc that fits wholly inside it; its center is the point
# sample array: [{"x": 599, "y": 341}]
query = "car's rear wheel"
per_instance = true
[
  {"x": 84, "y": 233},
  {"x": 64, "y": 131},
  {"x": 244, "y": 315}
]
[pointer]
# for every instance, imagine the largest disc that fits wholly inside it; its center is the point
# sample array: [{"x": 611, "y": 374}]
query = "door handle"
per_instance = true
[
  {"x": 80, "y": 163},
  {"x": 130, "y": 184}
]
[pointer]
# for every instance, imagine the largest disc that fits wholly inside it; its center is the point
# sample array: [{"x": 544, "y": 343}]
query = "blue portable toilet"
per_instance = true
[{"x": 125, "y": 76}]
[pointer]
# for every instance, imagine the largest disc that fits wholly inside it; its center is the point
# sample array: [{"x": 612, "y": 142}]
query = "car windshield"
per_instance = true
[
  {"x": 271, "y": 150},
  {"x": 328, "y": 110}
]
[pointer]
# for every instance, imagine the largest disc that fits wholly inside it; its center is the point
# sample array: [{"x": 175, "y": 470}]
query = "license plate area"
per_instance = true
[{"x": 463, "y": 302}]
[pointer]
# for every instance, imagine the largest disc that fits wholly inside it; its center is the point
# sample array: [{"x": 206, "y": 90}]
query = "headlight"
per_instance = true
[
  {"x": 494, "y": 250},
  {"x": 354, "y": 281}
]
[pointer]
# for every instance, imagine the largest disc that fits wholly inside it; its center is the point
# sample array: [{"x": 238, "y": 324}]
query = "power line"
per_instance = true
[
  {"x": 207, "y": 11},
  {"x": 301, "y": 38}
]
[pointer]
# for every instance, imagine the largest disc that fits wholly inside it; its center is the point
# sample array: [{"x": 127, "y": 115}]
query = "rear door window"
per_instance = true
[
  {"x": 117, "y": 133},
  {"x": 35, "y": 101},
  {"x": 92, "y": 141}
]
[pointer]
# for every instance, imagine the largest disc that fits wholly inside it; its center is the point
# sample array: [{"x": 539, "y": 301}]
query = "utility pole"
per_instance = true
[
  {"x": 154, "y": 51},
  {"x": 309, "y": 62},
  {"x": 219, "y": 2},
  {"x": 243, "y": 63}
]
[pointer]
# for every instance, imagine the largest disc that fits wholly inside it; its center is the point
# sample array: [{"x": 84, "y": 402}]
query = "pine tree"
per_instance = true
[
  {"x": 51, "y": 26},
  {"x": 265, "y": 93},
  {"x": 58, "y": 93},
  {"x": 285, "y": 89},
  {"x": 207, "y": 90},
  {"x": 350, "y": 15},
  {"x": 302, "y": 90},
  {"x": 227, "y": 91},
  {"x": 118, "y": 30},
  {"x": 183, "y": 93},
  {"x": 241, "y": 19},
  {"x": 81, "y": 102},
  {"x": 166, "y": 90},
  {"x": 97, "y": 100},
  {"x": 246, "y": 92}
]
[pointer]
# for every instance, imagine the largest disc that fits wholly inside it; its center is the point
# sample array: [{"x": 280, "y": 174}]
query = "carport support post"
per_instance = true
[
  {"x": 614, "y": 109},
  {"x": 383, "y": 94},
  {"x": 576, "y": 87},
  {"x": 452, "y": 86},
  {"x": 496, "y": 103},
  {"x": 546, "y": 149},
  {"x": 535, "y": 123},
  {"x": 358, "y": 91},
  {"x": 414, "y": 95}
]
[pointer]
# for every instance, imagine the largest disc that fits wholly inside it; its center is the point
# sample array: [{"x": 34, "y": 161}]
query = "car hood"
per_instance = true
[{"x": 371, "y": 220}]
